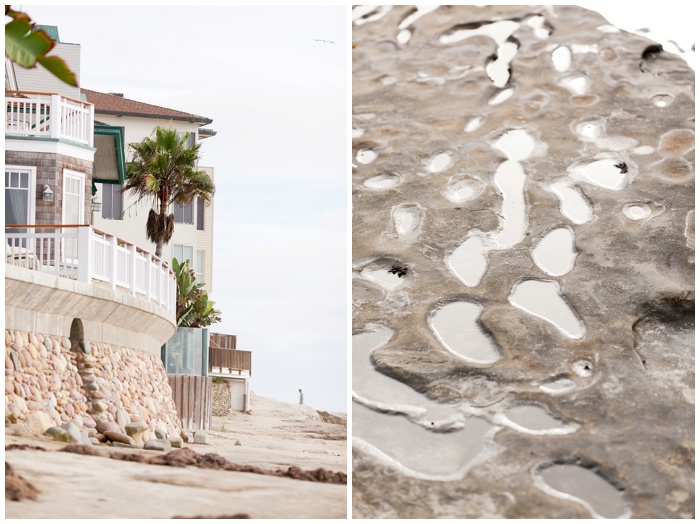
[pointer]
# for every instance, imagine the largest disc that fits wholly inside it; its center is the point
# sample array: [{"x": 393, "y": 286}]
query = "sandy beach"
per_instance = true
[{"x": 274, "y": 436}]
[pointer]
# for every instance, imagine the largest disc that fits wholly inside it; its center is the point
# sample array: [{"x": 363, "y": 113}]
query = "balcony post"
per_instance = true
[
  {"x": 55, "y": 117},
  {"x": 132, "y": 268},
  {"x": 91, "y": 125},
  {"x": 113, "y": 262},
  {"x": 84, "y": 254}
]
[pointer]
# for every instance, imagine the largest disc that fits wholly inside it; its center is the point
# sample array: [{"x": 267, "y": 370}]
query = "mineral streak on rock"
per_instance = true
[{"x": 593, "y": 208}]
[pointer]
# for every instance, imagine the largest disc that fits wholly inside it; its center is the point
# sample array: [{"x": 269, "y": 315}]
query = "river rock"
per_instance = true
[
  {"x": 175, "y": 442},
  {"x": 60, "y": 434},
  {"x": 160, "y": 434},
  {"x": 115, "y": 436},
  {"x": 158, "y": 445},
  {"x": 200, "y": 437},
  {"x": 137, "y": 430},
  {"x": 104, "y": 426},
  {"x": 482, "y": 134}
]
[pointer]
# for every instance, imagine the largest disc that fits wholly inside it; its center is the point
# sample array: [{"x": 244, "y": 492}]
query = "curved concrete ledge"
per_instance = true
[{"x": 40, "y": 303}]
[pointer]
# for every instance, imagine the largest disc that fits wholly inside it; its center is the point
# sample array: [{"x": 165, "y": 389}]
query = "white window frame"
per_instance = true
[
  {"x": 31, "y": 208},
  {"x": 81, "y": 210}
]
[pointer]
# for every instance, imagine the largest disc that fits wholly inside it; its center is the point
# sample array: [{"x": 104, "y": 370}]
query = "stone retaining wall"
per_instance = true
[
  {"x": 220, "y": 399},
  {"x": 50, "y": 381}
]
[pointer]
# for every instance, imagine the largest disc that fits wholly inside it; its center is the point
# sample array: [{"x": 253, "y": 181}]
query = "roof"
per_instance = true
[{"x": 108, "y": 104}]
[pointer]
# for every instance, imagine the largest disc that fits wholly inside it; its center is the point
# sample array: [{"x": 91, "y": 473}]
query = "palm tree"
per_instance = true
[{"x": 164, "y": 169}]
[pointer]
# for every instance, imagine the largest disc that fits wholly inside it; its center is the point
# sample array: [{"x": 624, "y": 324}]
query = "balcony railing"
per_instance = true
[
  {"x": 92, "y": 256},
  {"x": 224, "y": 358},
  {"x": 49, "y": 115}
]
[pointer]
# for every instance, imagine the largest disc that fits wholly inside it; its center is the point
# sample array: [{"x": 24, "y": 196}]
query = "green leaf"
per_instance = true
[
  {"x": 24, "y": 48},
  {"x": 59, "y": 69}
]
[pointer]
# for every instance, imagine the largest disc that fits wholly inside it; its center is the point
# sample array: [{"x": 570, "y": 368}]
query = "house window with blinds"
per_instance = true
[
  {"x": 112, "y": 201},
  {"x": 184, "y": 213}
]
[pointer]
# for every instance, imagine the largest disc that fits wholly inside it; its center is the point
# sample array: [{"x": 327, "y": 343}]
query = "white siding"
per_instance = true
[{"x": 39, "y": 79}]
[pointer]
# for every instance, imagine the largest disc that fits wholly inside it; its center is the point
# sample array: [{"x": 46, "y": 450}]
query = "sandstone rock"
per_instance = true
[
  {"x": 439, "y": 222},
  {"x": 117, "y": 444},
  {"x": 38, "y": 422},
  {"x": 104, "y": 426},
  {"x": 158, "y": 445},
  {"x": 137, "y": 431},
  {"x": 176, "y": 442},
  {"x": 72, "y": 431},
  {"x": 115, "y": 436},
  {"x": 60, "y": 434}
]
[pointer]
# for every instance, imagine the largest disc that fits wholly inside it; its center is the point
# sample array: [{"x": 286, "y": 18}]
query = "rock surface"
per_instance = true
[{"x": 523, "y": 266}]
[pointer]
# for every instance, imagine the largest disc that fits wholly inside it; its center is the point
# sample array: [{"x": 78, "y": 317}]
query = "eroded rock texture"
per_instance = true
[{"x": 523, "y": 266}]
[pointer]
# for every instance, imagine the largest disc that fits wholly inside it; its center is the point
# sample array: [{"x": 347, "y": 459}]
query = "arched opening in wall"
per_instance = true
[{"x": 77, "y": 337}]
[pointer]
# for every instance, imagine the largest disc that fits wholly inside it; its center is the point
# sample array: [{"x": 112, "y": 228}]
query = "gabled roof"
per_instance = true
[{"x": 107, "y": 104}]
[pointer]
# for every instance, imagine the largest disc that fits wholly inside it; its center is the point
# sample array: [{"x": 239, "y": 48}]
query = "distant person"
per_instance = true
[{"x": 301, "y": 397}]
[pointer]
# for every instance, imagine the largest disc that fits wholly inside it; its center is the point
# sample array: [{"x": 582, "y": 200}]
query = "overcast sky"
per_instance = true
[{"x": 278, "y": 98}]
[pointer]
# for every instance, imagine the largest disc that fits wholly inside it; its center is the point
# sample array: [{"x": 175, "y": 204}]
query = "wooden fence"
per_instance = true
[
  {"x": 230, "y": 359},
  {"x": 192, "y": 397}
]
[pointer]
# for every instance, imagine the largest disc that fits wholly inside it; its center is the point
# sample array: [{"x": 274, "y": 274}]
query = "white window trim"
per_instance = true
[
  {"x": 31, "y": 209},
  {"x": 77, "y": 174}
]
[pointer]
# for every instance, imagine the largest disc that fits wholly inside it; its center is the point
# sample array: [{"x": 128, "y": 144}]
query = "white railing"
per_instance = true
[
  {"x": 49, "y": 115},
  {"x": 100, "y": 257}
]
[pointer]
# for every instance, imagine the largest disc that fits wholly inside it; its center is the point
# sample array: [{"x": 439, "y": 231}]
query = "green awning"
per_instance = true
[{"x": 110, "y": 161}]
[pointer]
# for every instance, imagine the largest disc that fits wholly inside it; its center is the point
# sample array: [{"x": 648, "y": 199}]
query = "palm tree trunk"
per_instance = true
[{"x": 161, "y": 218}]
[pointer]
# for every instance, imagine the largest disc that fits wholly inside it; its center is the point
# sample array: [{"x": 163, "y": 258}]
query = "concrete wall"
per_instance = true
[{"x": 40, "y": 303}]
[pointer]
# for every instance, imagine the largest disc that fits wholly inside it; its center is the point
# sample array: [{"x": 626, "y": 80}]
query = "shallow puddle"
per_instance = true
[
  {"x": 383, "y": 277},
  {"x": 372, "y": 387},
  {"x": 498, "y": 70},
  {"x": 366, "y": 156},
  {"x": 463, "y": 190},
  {"x": 662, "y": 100},
  {"x": 473, "y": 124},
  {"x": 455, "y": 326},
  {"x": 516, "y": 144},
  {"x": 607, "y": 173},
  {"x": 536, "y": 420},
  {"x": 499, "y": 31},
  {"x": 417, "y": 451},
  {"x": 578, "y": 85},
  {"x": 572, "y": 203},
  {"x": 440, "y": 162},
  {"x": 636, "y": 211},
  {"x": 572, "y": 482},
  {"x": 555, "y": 253},
  {"x": 406, "y": 219},
  {"x": 501, "y": 96},
  {"x": 383, "y": 182},
  {"x": 469, "y": 261},
  {"x": 543, "y": 299},
  {"x": 561, "y": 57},
  {"x": 561, "y": 385}
]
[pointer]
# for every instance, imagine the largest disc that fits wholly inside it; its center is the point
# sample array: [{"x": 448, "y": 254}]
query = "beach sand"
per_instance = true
[{"x": 274, "y": 436}]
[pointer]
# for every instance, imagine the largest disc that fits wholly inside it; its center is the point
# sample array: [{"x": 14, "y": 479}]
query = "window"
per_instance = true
[
  {"x": 112, "y": 201},
  {"x": 18, "y": 195},
  {"x": 183, "y": 213},
  {"x": 200, "y": 214},
  {"x": 199, "y": 269},
  {"x": 182, "y": 253}
]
